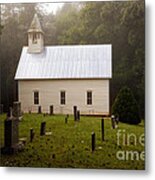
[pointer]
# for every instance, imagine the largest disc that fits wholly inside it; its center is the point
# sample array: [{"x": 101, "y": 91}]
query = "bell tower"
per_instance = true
[{"x": 35, "y": 36}]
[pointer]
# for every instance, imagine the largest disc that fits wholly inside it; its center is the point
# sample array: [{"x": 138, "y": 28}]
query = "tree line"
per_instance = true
[{"x": 121, "y": 24}]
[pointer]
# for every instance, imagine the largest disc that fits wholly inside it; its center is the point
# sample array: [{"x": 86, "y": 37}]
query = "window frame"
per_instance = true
[
  {"x": 89, "y": 99},
  {"x": 62, "y": 97},
  {"x": 36, "y": 97}
]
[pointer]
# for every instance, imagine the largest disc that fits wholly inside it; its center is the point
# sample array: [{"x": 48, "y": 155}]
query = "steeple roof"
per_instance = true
[{"x": 35, "y": 25}]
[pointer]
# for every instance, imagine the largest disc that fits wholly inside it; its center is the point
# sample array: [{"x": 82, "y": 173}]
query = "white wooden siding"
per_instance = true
[{"x": 76, "y": 94}]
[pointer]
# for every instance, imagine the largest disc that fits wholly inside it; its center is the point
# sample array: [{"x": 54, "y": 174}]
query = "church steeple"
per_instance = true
[{"x": 35, "y": 36}]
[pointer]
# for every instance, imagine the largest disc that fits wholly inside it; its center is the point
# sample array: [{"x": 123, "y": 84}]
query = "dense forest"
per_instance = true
[{"x": 121, "y": 24}]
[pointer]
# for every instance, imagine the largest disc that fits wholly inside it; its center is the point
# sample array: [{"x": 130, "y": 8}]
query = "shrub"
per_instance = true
[{"x": 125, "y": 106}]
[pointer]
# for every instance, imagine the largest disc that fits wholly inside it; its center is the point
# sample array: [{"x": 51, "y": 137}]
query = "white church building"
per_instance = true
[{"x": 63, "y": 76}]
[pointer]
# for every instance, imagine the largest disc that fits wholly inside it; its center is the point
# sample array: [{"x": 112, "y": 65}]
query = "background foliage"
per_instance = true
[
  {"x": 125, "y": 107},
  {"x": 118, "y": 23}
]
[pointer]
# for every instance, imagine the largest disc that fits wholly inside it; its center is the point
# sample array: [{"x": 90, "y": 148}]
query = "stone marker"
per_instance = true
[
  {"x": 102, "y": 128},
  {"x": 75, "y": 112},
  {"x": 39, "y": 109},
  {"x": 31, "y": 134},
  {"x": 11, "y": 136},
  {"x": 93, "y": 141},
  {"x": 16, "y": 109},
  {"x": 51, "y": 110},
  {"x": 78, "y": 115},
  {"x": 43, "y": 129},
  {"x": 1, "y": 108}
]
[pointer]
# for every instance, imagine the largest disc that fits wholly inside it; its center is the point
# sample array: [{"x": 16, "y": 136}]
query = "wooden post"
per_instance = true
[
  {"x": 78, "y": 115},
  {"x": 42, "y": 129},
  {"x": 31, "y": 134},
  {"x": 102, "y": 128},
  {"x": 39, "y": 109},
  {"x": 93, "y": 141},
  {"x": 75, "y": 112},
  {"x": 51, "y": 110}
]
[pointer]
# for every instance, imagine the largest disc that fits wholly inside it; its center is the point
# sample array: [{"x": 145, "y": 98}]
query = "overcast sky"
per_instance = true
[{"x": 52, "y": 7}]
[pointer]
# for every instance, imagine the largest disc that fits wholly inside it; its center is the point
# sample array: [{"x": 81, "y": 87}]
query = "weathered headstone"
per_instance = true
[
  {"x": 43, "y": 129},
  {"x": 75, "y": 112},
  {"x": 31, "y": 134},
  {"x": 93, "y": 141},
  {"x": 78, "y": 115},
  {"x": 113, "y": 121},
  {"x": 51, "y": 110},
  {"x": 11, "y": 135},
  {"x": 39, "y": 110},
  {"x": 102, "y": 128},
  {"x": 16, "y": 109},
  {"x": 1, "y": 108}
]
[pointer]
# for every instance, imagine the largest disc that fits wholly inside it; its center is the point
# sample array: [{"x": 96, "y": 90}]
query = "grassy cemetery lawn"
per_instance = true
[{"x": 69, "y": 145}]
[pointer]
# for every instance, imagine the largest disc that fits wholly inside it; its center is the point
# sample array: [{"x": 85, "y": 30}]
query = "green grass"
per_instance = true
[{"x": 69, "y": 146}]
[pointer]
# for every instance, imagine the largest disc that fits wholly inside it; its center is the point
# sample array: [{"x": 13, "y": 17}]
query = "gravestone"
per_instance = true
[
  {"x": 43, "y": 129},
  {"x": 11, "y": 136},
  {"x": 93, "y": 141},
  {"x": 16, "y": 109},
  {"x": 1, "y": 108},
  {"x": 51, "y": 110},
  {"x": 39, "y": 110},
  {"x": 75, "y": 112},
  {"x": 102, "y": 128}
]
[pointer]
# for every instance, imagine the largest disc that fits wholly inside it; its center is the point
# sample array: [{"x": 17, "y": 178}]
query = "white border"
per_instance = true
[{"x": 72, "y": 174}]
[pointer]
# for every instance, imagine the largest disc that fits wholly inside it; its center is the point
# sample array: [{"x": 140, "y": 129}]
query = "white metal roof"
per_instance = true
[{"x": 62, "y": 62}]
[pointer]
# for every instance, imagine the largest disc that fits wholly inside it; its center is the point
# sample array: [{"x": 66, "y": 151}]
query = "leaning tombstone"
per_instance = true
[{"x": 43, "y": 129}]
